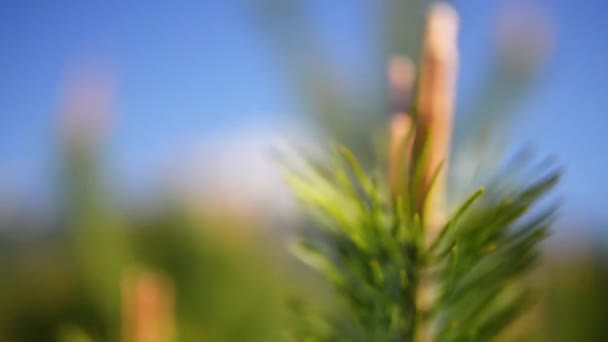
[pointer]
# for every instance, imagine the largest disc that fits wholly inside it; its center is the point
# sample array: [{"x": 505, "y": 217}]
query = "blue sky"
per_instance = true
[{"x": 185, "y": 69}]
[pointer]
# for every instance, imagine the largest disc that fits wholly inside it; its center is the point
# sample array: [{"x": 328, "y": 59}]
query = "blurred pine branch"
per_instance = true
[{"x": 406, "y": 269}]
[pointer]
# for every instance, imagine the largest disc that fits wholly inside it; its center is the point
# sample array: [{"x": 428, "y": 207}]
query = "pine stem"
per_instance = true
[{"x": 433, "y": 134}]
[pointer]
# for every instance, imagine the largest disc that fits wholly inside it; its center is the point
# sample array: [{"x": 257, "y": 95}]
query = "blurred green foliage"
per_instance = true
[
  {"x": 370, "y": 247},
  {"x": 62, "y": 282}
]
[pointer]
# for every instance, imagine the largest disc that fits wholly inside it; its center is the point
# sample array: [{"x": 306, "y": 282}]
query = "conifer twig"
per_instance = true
[
  {"x": 405, "y": 269},
  {"x": 435, "y": 106}
]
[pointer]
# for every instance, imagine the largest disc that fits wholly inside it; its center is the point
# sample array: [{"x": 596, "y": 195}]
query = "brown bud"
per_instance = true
[
  {"x": 435, "y": 104},
  {"x": 148, "y": 304},
  {"x": 401, "y": 74}
]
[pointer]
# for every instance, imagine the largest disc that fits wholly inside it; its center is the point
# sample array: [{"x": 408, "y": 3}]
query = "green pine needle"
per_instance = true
[{"x": 371, "y": 251}]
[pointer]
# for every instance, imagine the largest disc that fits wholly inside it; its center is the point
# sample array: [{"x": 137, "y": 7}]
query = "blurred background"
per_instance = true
[{"x": 139, "y": 192}]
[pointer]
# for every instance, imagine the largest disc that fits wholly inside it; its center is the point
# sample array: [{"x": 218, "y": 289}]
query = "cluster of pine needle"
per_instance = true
[{"x": 405, "y": 266}]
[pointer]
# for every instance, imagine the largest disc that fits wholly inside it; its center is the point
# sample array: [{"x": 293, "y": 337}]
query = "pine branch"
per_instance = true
[{"x": 405, "y": 268}]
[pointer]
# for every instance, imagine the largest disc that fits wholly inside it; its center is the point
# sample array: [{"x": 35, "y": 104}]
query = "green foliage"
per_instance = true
[
  {"x": 62, "y": 281},
  {"x": 366, "y": 249},
  {"x": 480, "y": 260},
  {"x": 370, "y": 247}
]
